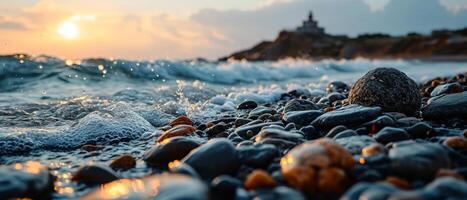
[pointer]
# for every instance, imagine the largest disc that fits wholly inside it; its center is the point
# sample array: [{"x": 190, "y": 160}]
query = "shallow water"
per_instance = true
[{"x": 49, "y": 108}]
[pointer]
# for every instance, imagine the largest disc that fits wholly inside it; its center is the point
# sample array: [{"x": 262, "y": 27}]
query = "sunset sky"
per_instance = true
[{"x": 175, "y": 29}]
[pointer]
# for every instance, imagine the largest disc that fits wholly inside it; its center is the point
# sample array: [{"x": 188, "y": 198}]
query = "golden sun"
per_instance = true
[{"x": 68, "y": 30}]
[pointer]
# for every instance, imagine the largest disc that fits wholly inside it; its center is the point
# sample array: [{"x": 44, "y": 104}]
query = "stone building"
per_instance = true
[{"x": 310, "y": 26}]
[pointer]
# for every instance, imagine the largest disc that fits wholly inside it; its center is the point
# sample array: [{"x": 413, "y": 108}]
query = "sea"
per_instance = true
[{"x": 50, "y": 108}]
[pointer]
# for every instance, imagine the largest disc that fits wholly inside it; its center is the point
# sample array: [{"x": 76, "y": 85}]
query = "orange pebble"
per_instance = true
[
  {"x": 181, "y": 120},
  {"x": 398, "y": 182},
  {"x": 456, "y": 142},
  {"x": 123, "y": 162},
  {"x": 180, "y": 130},
  {"x": 259, "y": 179}
]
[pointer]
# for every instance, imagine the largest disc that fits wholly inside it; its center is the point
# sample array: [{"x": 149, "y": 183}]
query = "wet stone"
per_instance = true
[
  {"x": 206, "y": 161},
  {"x": 446, "y": 188},
  {"x": 317, "y": 166},
  {"x": 351, "y": 115},
  {"x": 180, "y": 130},
  {"x": 355, "y": 144},
  {"x": 382, "y": 87},
  {"x": 241, "y": 121},
  {"x": 419, "y": 130},
  {"x": 259, "y": 179},
  {"x": 299, "y": 105},
  {"x": 278, "y": 193},
  {"x": 254, "y": 128},
  {"x": 344, "y": 134},
  {"x": 390, "y": 134},
  {"x": 258, "y": 156},
  {"x": 310, "y": 132},
  {"x": 337, "y": 86},
  {"x": 278, "y": 134},
  {"x": 171, "y": 149},
  {"x": 123, "y": 162},
  {"x": 247, "y": 105},
  {"x": 446, "y": 107},
  {"x": 168, "y": 186},
  {"x": 216, "y": 129},
  {"x": 25, "y": 180},
  {"x": 446, "y": 89},
  {"x": 261, "y": 110},
  {"x": 457, "y": 142},
  {"x": 225, "y": 186},
  {"x": 336, "y": 130},
  {"x": 181, "y": 120},
  {"x": 301, "y": 118},
  {"x": 335, "y": 96},
  {"x": 418, "y": 160},
  {"x": 94, "y": 174}
]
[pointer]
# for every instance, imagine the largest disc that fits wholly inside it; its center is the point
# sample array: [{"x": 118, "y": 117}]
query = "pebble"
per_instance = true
[
  {"x": 254, "y": 129},
  {"x": 383, "y": 87},
  {"x": 258, "y": 156},
  {"x": 216, "y": 129},
  {"x": 398, "y": 182},
  {"x": 94, "y": 174},
  {"x": 418, "y": 160},
  {"x": 351, "y": 115},
  {"x": 180, "y": 130},
  {"x": 355, "y": 144},
  {"x": 181, "y": 120},
  {"x": 457, "y": 142},
  {"x": 302, "y": 166},
  {"x": 123, "y": 162},
  {"x": 25, "y": 180},
  {"x": 164, "y": 186},
  {"x": 373, "y": 150},
  {"x": 301, "y": 118},
  {"x": 214, "y": 158},
  {"x": 344, "y": 134},
  {"x": 391, "y": 134},
  {"x": 247, "y": 105},
  {"x": 91, "y": 147},
  {"x": 278, "y": 193},
  {"x": 446, "y": 107},
  {"x": 337, "y": 86},
  {"x": 419, "y": 130},
  {"x": 299, "y": 105},
  {"x": 274, "y": 133},
  {"x": 259, "y": 179},
  {"x": 446, "y": 89},
  {"x": 175, "y": 148},
  {"x": 258, "y": 111},
  {"x": 225, "y": 186}
]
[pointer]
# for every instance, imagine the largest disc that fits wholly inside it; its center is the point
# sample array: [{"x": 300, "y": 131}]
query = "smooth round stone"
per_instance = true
[
  {"x": 216, "y": 129},
  {"x": 418, "y": 160},
  {"x": 259, "y": 179},
  {"x": 258, "y": 111},
  {"x": 25, "y": 180},
  {"x": 179, "y": 130},
  {"x": 344, "y": 134},
  {"x": 94, "y": 174},
  {"x": 253, "y": 129},
  {"x": 335, "y": 96},
  {"x": 310, "y": 132},
  {"x": 247, "y": 105},
  {"x": 175, "y": 148},
  {"x": 336, "y": 130},
  {"x": 407, "y": 121},
  {"x": 390, "y": 134},
  {"x": 225, "y": 186},
  {"x": 299, "y": 105},
  {"x": 164, "y": 186},
  {"x": 457, "y": 142},
  {"x": 302, "y": 118},
  {"x": 258, "y": 156},
  {"x": 279, "y": 193},
  {"x": 446, "y": 188},
  {"x": 355, "y": 144},
  {"x": 337, "y": 86},
  {"x": 446, "y": 89},
  {"x": 419, "y": 130},
  {"x": 388, "y": 88},
  {"x": 278, "y": 134},
  {"x": 379, "y": 123},
  {"x": 299, "y": 92},
  {"x": 123, "y": 162},
  {"x": 317, "y": 166},
  {"x": 216, "y": 157},
  {"x": 242, "y": 121},
  {"x": 446, "y": 107},
  {"x": 351, "y": 115},
  {"x": 181, "y": 120}
]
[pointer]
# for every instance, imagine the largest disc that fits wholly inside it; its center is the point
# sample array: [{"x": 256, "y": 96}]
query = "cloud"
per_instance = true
[{"x": 10, "y": 25}]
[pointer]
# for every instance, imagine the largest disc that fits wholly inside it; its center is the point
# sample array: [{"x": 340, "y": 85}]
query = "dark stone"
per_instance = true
[
  {"x": 258, "y": 111},
  {"x": 258, "y": 156},
  {"x": 214, "y": 158},
  {"x": 390, "y": 134},
  {"x": 278, "y": 134},
  {"x": 334, "y": 131},
  {"x": 216, "y": 129},
  {"x": 379, "y": 123},
  {"x": 407, "y": 121},
  {"x": 95, "y": 174},
  {"x": 247, "y": 105},
  {"x": 344, "y": 134},
  {"x": 242, "y": 121},
  {"x": 446, "y": 107},
  {"x": 351, "y": 115},
  {"x": 185, "y": 170},
  {"x": 164, "y": 186},
  {"x": 254, "y": 128},
  {"x": 302, "y": 118},
  {"x": 172, "y": 149},
  {"x": 388, "y": 88},
  {"x": 418, "y": 160},
  {"x": 310, "y": 132},
  {"x": 299, "y": 105},
  {"x": 419, "y": 130},
  {"x": 446, "y": 89},
  {"x": 225, "y": 186},
  {"x": 290, "y": 126},
  {"x": 337, "y": 86},
  {"x": 25, "y": 180},
  {"x": 335, "y": 96},
  {"x": 355, "y": 144},
  {"x": 446, "y": 188},
  {"x": 279, "y": 193}
]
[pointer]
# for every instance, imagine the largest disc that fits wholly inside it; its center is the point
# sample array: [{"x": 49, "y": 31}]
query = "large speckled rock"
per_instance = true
[{"x": 388, "y": 88}]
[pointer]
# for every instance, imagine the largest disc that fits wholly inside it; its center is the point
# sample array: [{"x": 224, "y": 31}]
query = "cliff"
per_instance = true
[{"x": 440, "y": 43}]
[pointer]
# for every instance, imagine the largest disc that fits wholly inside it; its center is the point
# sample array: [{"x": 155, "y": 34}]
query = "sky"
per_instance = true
[{"x": 181, "y": 29}]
